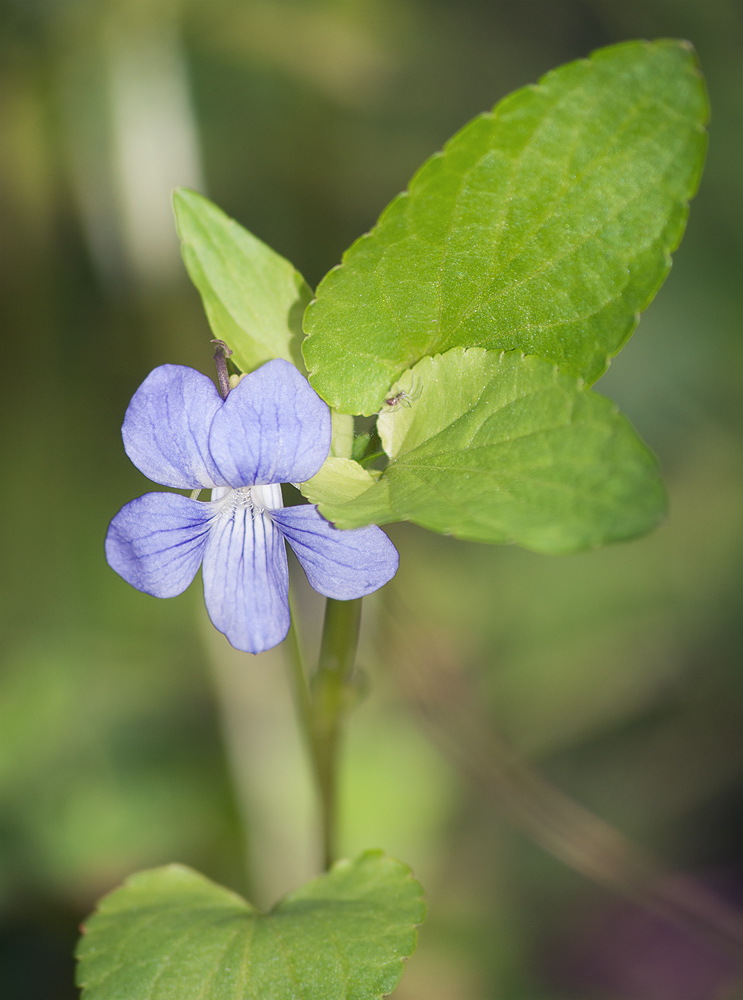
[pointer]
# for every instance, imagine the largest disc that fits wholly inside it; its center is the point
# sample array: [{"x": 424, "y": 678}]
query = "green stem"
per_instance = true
[
  {"x": 330, "y": 699},
  {"x": 298, "y": 678},
  {"x": 322, "y": 704}
]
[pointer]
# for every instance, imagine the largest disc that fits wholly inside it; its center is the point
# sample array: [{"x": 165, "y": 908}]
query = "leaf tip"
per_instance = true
[{"x": 183, "y": 195}]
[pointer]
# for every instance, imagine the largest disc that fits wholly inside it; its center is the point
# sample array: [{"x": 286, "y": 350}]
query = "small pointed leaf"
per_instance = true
[
  {"x": 254, "y": 298},
  {"x": 171, "y": 934},
  {"x": 497, "y": 447},
  {"x": 544, "y": 226}
]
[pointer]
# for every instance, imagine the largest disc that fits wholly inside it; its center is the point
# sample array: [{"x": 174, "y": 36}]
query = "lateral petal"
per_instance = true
[
  {"x": 166, "y": 428},
  {"x": 156, "y": 543},
  {"x": 246, "y": 581},
  {"x": 339, "y": 564},
  {"x": 272, "y": 428}
]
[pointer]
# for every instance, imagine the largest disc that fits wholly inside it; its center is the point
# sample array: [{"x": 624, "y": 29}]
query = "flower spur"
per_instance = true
[{"x": 272, "y": 428}]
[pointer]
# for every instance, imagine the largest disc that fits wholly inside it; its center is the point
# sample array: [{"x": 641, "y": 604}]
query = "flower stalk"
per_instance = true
[
  {"x": 323, "y": 702},
  {"x": 331, "y": 697}
]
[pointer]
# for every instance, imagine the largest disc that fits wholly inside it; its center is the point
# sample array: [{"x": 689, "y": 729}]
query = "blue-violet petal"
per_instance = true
[
  {"x": 157, "y": 542},
  {"x": 246, "y": 580},
  {"x": 339, "y": 564},
  {"x": 166, "y": 428},
  {"x": 272, "y": 428}
]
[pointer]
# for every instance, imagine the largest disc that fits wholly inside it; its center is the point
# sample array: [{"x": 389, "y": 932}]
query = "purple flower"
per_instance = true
[{"x": 272, "y": 428}]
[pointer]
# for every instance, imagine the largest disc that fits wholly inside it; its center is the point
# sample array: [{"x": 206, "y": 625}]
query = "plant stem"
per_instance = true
[
  {"x": 323, "y": 702},
  {"x": 330, "y": 698},
  {"x": 299, "y": 683}
]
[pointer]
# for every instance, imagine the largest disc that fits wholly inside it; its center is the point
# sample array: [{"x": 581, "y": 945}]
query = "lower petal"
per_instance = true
[
  {"x": 339, "y": 564},
  {"x": 157, "y": 542},
  {"x": 246, "y": 582}
]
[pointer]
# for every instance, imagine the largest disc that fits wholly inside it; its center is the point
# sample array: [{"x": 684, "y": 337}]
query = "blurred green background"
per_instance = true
[{"x": 616, "y": 673}]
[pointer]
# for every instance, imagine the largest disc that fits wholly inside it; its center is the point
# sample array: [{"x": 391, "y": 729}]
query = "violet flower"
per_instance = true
[{"x": 272, "y": 428}]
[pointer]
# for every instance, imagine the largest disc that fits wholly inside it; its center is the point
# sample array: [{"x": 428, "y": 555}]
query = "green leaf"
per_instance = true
[
  {"x": 253, "y": 297},
  {"x": 171, "y": 934},
  {"x": 544, "y": 226},
  {"x": 341, "y": 442},
  {"x": 340, "y": 479},
  {"x": 498, "y": 447}
]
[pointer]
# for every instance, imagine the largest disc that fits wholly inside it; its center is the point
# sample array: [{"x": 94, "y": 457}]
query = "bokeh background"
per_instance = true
[{"x": 130, "y": 734}]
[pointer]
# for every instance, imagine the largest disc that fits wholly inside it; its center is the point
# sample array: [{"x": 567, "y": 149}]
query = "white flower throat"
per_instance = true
[{"x": 255, "y": 498}]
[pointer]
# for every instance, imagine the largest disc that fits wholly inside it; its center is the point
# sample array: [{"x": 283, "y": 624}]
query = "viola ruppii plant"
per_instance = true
[{"x": 470, "y": 323}]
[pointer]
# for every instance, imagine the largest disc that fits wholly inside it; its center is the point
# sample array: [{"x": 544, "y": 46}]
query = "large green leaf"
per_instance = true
[
  {"x": 498, "y": 447},
  {"x": 171, "y": 934},
  {"x": 545, "y": 226},
  {"x": 253, "y": 297}
]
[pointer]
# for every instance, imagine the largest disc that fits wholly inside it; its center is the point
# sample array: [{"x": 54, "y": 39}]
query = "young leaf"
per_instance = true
[
  {"x": 171, "y": 934},
  {"x": 253, "y": 297},
  {"x": 340, "y": 479},
  {"x": 498, "y": 447},
  {"x": 545, "y": 226}
]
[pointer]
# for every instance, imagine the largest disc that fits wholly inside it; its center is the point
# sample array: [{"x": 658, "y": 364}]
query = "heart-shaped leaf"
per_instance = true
[
  {"x": 498, "y": 447},
  {"x": 545, "y": 226},
  {"x": 253, "y": 297},
  {"x": 171, "y": 934}
]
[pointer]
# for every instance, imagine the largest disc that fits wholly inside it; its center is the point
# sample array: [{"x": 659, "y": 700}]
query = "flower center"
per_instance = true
[{"x": 258, "y": 499}]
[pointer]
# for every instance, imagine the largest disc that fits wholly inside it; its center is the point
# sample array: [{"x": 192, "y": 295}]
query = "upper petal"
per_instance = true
[
  {"x": 246, "y": 582},
  {"x": 157, "y": 542},
  {"x": 339, "y": 564},
  {"x": 166, "y": 428},
  {"x": 272, "y": 428}
]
